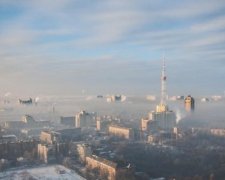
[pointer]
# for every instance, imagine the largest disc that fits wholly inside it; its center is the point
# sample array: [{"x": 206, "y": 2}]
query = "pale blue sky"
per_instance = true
[{"x": 111, "y": 46}]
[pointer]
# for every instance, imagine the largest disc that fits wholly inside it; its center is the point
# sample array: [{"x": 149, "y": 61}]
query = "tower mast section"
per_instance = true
[{"x": 163, "y": 84}]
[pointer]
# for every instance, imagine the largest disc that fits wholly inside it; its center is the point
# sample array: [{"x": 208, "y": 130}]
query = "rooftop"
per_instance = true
[
  {"x": 52, "y": 172},
  {"x": 104, "y": 161}
]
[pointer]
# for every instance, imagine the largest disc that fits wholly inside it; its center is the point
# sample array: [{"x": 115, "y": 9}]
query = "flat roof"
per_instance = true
[
  {"x": 103, "y": 161},
  {"x": 50, "y": 172}
]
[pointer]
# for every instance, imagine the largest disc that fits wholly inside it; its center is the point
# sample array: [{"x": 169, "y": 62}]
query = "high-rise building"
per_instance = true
[
  {"x": 84, "y": 119},
  {"x": 102, "y": 125},
  {"x": 189, "y": 103},
  {"x": 162, "y": 118},
  {"x": 83, "y": 150}
]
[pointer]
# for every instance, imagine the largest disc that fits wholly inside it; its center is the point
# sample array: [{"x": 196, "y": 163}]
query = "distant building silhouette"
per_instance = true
[
  {"x": 29, "y": 101},
  {"x": 189, "y": 103}
]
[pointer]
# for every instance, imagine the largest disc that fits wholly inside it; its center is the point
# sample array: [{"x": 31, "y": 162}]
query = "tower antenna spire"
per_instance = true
[{"x": 163, "y": 83}]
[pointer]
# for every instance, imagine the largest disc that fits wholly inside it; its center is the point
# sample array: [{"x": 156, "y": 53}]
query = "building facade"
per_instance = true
[
  {"x": 161, "y": 119},
  {"x": 50, "y": 137},
  {"x": 46, "y": 153},
  {"x": 83, "y": 150},
  {"x": 122, "y": 132},
  {"x": 102, "y": 125},
  {"x": 106, "y": 168}
]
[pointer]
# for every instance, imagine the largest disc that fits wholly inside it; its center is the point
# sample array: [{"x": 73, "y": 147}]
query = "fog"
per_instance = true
[{"x": 206, "y": 114}]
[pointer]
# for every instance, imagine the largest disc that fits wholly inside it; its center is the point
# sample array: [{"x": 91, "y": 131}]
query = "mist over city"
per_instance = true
[{"x": 112, "y": 90}]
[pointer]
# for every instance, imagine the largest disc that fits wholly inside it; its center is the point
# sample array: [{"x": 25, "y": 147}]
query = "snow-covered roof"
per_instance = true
[{"x": 51, "y": 172}]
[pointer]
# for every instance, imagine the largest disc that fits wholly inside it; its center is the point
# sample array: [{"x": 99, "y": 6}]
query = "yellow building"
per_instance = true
[
  {"x": 123, "y": 132},
  {"x": 104, "y": 166},
  {"x": 109, "y": 170},
  {"x": 161, "y": 108}
]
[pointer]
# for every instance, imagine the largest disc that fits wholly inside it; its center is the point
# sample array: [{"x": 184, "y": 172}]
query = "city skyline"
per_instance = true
[{"x": 96, "y": 47}]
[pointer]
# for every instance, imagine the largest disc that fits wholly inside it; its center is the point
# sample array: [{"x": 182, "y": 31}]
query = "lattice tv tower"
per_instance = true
[
  {"x": 163, "y": 84},
  {"x": 162, "y": 118}
]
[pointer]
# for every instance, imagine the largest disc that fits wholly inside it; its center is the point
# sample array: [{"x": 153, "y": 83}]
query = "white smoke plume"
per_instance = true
[
  {"x": 7, "y": 94},
  {"x": 179, "y": 115},
  {"x": 36, "y": 99}
]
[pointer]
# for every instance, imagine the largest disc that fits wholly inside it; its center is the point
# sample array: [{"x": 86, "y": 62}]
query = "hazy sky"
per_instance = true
[{"x": 111, "y": 46}]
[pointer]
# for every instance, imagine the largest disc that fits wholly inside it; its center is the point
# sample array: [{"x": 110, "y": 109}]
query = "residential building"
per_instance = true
[{"x": 122, "y": 132}]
